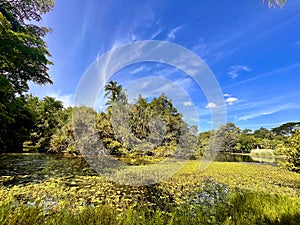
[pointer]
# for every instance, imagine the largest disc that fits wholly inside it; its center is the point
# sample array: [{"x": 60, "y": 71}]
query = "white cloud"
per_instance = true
[
  {"x": 43, "y": 91},
  {"x": 227, "y": 95},
  {"x": 211, "y": 105},
  {"x": 234, "y": 70},
  {"x": 66, "y": 99},
  {"x": 137, "y": 70},
  {"x": 188, "y": 103},
  {"x": 171, "y": 34},
  {"x": 231, "y": 100}
]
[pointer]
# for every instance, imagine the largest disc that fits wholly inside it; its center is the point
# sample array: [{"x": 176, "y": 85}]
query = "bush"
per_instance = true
[
  {"x": 280, "y": 149},
  {"x": 293, "y": 153}
]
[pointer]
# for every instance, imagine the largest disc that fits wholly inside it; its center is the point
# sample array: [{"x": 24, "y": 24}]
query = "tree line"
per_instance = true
[
  {"x": 144, "y": 128},
  {"x": 24, "y": 57}
]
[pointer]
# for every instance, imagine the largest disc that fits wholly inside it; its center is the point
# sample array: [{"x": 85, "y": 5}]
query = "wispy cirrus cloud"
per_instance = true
[
  {"x": 255, "y": 107},
  {"x": 156, "y": 34},
  {"x": 236, "y": 69},
  {"x": 269, "y": 111},
  {"x": 263, "y": 35},
  {"x": 171, "y": 34},
  {"x": 209, "y": 50},
  {"x": 266, "y": 124},
  {"x": 132, "y": 37},
  {"x": 138, "y": 69},
  {"x": 267, "y": 74},
  {"x": 154, "y": 86}
]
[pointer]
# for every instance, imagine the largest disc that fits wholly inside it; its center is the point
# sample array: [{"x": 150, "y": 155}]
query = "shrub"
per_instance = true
[{"x": 293, "y": 153}]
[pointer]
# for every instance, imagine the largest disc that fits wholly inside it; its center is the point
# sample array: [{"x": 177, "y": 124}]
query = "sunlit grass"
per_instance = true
[{"x": 232, "y": 193}]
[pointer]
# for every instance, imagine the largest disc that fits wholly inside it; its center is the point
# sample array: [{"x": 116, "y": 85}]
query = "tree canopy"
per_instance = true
[
  {"x": 23, "y": 52},
  {"x": 23, "y": 58}
]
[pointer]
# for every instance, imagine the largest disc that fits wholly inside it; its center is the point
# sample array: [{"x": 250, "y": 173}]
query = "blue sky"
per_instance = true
[{"x": 253, "y": 51}]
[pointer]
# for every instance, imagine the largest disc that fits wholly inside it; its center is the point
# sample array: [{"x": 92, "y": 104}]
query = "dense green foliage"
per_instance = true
[
  {"x": 27, "y": 60},
  {"x": 156, "y": 129},
  {"x": 287, "y": 129},
  {"x": 49, "y": 116},
  {"x": 139, "y": 133},
  {"x": 23, "y": 58},
  {"x": 229, "y": 134},
  {"x": 236, "y": 141},
  {"x": 293, "y": 152},
  {"x": 16, "y": 119},
  {"x": 144, "y": 128},
  {"x": 33, "y": 122}
]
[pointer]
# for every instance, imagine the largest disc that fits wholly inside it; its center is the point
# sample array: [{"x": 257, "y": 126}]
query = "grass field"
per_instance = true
[{"x": 225, "y": 193}]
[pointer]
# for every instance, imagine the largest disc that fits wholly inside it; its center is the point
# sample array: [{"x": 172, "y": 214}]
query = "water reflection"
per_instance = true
[
  {"x": 25, "y": 168},
  {"x": 227, "y": 157}
]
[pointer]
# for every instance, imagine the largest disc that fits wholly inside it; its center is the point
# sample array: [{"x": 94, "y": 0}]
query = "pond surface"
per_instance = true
[
  {"x": 227, "y": 157},
  {"x": 34, "y": 167}
]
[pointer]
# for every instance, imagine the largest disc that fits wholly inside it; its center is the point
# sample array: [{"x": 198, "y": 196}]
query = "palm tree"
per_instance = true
[
  {"x": 114, "y": 91},
  {"x": 275, "y": 3}
]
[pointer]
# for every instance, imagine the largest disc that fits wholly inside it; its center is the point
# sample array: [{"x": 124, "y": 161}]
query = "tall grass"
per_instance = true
[
  {"x": 258, "y": 208},
  {"x": 240, "y": 208}
]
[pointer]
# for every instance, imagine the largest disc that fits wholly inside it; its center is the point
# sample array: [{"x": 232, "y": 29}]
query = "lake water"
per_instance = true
[
  {"x": 226, "y": 157},
  {"x": 33, "y": 167}
]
